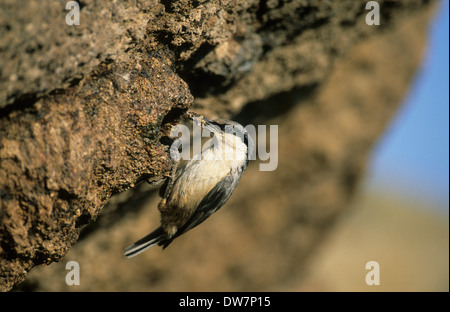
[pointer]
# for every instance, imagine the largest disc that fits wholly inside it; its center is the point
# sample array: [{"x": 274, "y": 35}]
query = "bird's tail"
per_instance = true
[{"x": 158, "y": 236}]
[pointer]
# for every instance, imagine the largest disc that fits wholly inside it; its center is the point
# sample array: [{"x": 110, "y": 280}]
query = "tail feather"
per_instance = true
[{"x": 158, "y": 236}]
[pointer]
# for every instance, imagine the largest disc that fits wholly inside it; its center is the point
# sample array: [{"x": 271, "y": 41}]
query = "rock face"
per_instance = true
[{"x": 84, "y": 112}]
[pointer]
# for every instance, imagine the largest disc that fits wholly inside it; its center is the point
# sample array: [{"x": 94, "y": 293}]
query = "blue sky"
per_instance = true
[{"x": 413, "y": 156}]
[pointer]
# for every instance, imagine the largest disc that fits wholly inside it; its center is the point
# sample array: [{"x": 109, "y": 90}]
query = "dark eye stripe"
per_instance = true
[{"x": 220, "y": 125}]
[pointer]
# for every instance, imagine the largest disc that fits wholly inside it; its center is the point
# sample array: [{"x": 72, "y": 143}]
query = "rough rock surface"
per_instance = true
[{"x": 85, "y": 110}]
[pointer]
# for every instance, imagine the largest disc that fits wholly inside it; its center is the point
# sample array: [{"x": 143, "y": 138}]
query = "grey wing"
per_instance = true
[{"x": 214, "y": 200}]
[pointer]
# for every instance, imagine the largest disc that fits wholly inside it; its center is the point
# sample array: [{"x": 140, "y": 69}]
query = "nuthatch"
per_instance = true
[{"x": 202, "y": 185}]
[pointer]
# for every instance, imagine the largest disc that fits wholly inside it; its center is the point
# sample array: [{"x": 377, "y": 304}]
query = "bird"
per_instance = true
[{"x": 202, "y": 185}]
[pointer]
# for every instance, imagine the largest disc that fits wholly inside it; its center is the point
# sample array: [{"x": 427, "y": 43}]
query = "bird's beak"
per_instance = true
[{"x": 205, "y": 122}]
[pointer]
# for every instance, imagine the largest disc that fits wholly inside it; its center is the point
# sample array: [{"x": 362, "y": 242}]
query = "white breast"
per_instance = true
[
  {"x": 204, "y": 171},
  {"x": 227, "y": 148}
]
